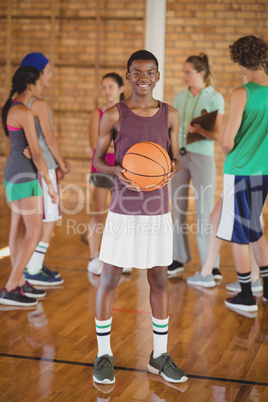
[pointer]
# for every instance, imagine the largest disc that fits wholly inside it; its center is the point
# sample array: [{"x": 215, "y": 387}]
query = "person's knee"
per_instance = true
[
  {"x": 158, "y": 278},
  {"x": 35, "y": 234},
  {"x": 109, "y": 277}
]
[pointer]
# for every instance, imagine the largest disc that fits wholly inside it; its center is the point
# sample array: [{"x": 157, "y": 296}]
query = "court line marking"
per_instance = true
[{"x": 136, "y": 370}]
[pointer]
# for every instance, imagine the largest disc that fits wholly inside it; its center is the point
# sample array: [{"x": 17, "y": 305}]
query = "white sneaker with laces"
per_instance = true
[{"x": 95, "y": 266}]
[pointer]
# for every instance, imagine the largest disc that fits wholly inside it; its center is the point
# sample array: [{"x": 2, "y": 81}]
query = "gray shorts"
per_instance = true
[{"x": 102, "y": 180}]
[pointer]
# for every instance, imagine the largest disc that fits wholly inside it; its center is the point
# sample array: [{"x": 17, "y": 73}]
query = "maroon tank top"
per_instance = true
[{"x": 134, "y": 129}]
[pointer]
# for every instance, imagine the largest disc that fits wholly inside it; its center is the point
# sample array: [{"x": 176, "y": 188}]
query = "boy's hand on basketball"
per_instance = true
[
  {"x": 119, "y": 173},
  {"x": 170, "y": 175}
]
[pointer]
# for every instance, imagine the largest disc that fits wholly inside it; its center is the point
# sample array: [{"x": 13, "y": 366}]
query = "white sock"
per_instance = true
[
  {"x": 160, "y": 335},
  {"x": 37, "y": 259},
  {"x": 103, "y": 329}
]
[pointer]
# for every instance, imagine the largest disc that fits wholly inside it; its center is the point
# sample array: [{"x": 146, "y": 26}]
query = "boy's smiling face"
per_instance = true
[{"x": 143, "y": 76}]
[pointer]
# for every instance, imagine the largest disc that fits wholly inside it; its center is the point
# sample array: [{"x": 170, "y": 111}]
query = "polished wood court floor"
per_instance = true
[{"x": 47, "y": 352}]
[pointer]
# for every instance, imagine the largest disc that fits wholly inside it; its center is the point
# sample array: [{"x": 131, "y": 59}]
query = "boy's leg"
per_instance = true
[
  {"x": 160, "y": 361},
  {"x": 103, "y": 365},
  {"x": 243, "y": 300},
  {"x": 260, "y": 249}
]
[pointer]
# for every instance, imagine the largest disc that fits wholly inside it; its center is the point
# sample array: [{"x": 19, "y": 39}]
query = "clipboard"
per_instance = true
[{"x": 207, "y": 121}]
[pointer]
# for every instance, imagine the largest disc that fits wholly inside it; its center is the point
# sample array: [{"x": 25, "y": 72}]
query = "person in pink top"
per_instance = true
[{"x": 112, "y": 91}]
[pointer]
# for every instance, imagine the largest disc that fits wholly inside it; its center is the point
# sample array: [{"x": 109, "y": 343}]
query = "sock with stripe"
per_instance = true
[
  {"x": 103, "y": 329},
  {"x": 37, "y": 259},
  {"x": 264, "y": 274},
  {"x": 245, "y": 283},
  {"x": 160, "y": 336}
]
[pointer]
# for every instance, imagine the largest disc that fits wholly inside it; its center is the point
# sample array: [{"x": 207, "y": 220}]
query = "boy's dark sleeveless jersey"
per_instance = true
[{"x": 135, "y": 129}]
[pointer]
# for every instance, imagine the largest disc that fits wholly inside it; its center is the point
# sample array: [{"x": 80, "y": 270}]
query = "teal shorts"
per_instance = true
[{"x": 18, "y": 191}]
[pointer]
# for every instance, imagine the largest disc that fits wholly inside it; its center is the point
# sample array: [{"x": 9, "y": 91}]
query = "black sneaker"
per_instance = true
[
  {"x": 16, "y": 297},
  {"x": 216, "y": 273},
  {"x": 48, "y": 271},
  {"x": 241, "y": 303},
  {"x": 175, "y": 267},
  {"x": 30, "y": 291}
]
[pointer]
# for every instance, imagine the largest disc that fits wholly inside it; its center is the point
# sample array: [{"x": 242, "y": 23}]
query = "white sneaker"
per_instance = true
[
  {"x": 127, "y": 270},
  {"x": 95, "y": 266}
]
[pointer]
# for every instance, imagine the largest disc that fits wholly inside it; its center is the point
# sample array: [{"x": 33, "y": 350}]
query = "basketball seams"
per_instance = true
[
  {"x": 147, "y": 157},
  {"x": 159, "y": 148}
]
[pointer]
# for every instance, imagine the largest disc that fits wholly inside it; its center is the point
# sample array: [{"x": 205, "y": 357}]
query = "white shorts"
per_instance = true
[
  {"x": 51, "y": 211},
  {"x": 137, "y": 241}
]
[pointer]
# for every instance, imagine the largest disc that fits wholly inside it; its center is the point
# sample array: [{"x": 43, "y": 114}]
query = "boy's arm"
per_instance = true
[
  {"x": 237, "y": 105},
  {"x": 173, "y": 117},
  {"x": 109, "y": 122}
]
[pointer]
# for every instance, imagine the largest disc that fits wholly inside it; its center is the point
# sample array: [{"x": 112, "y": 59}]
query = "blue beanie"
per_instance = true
[{"x": 37, "y": 60}]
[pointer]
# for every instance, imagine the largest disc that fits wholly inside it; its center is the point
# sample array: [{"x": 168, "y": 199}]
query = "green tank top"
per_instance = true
[{"x": 250, "y": 153}]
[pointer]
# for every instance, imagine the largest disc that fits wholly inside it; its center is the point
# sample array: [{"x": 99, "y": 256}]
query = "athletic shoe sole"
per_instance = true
[
  {"x": 105, "y": 381},
  {"x": 242, "y": 307},
  {"x": 33, "y": 296},
  {"x": 175, "y": 271},
  {"x": 210, "y": 284},
  {"x": 153, "y": 370},
  {"x": 8, "y": 302},
  {"x": 247, "y": 314},
  {"x": 44, "y": 283},
  {"x": 218, "y": 277}
]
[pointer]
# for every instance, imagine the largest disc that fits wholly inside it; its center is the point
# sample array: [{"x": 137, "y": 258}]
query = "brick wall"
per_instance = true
[{"x": 72, "y": 36}]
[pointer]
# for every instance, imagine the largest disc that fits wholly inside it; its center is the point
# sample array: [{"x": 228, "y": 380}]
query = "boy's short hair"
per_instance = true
[
  {"x": 142, "y": 55},
  {"x": 250, "y": 52}
]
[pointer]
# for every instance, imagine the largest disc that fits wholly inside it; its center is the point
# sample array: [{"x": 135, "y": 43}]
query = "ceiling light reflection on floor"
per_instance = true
[{"x": 4, "y": 252}]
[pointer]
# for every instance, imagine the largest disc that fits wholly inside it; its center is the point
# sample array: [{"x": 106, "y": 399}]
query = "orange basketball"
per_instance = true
[{"x": 147, "y": 164}]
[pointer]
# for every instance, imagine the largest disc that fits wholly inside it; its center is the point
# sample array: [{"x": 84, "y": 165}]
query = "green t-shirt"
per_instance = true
[
  {"x": 250, "y": 153},
  {"x": 210, "y": 100}
]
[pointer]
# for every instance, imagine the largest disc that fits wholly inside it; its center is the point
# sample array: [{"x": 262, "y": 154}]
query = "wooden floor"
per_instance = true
[{"x": 46, "y": 353}]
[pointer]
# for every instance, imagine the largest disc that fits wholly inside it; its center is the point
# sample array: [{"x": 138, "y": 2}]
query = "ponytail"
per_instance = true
[
  {"x": 201, "y": 63},
  {"x": 20, "y": 80}
]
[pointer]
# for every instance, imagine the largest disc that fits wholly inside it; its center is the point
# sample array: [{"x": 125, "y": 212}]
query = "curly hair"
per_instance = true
[{"x": 250, "y": 52}]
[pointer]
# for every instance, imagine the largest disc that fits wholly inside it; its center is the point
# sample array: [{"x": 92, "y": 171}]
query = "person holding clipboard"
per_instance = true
[{"x": 196, "y": 141}]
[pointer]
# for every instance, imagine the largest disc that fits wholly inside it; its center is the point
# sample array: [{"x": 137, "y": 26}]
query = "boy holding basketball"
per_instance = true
[{"x": 139, "y": 118}]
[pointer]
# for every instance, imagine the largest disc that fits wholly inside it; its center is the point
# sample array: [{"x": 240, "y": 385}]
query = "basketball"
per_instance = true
[{"x": 147, "y": 164}]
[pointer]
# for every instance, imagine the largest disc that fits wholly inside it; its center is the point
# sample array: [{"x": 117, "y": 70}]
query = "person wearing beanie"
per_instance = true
[
  {"x": 37, "y": 60},
  {"x": 36, "y": 273}
]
